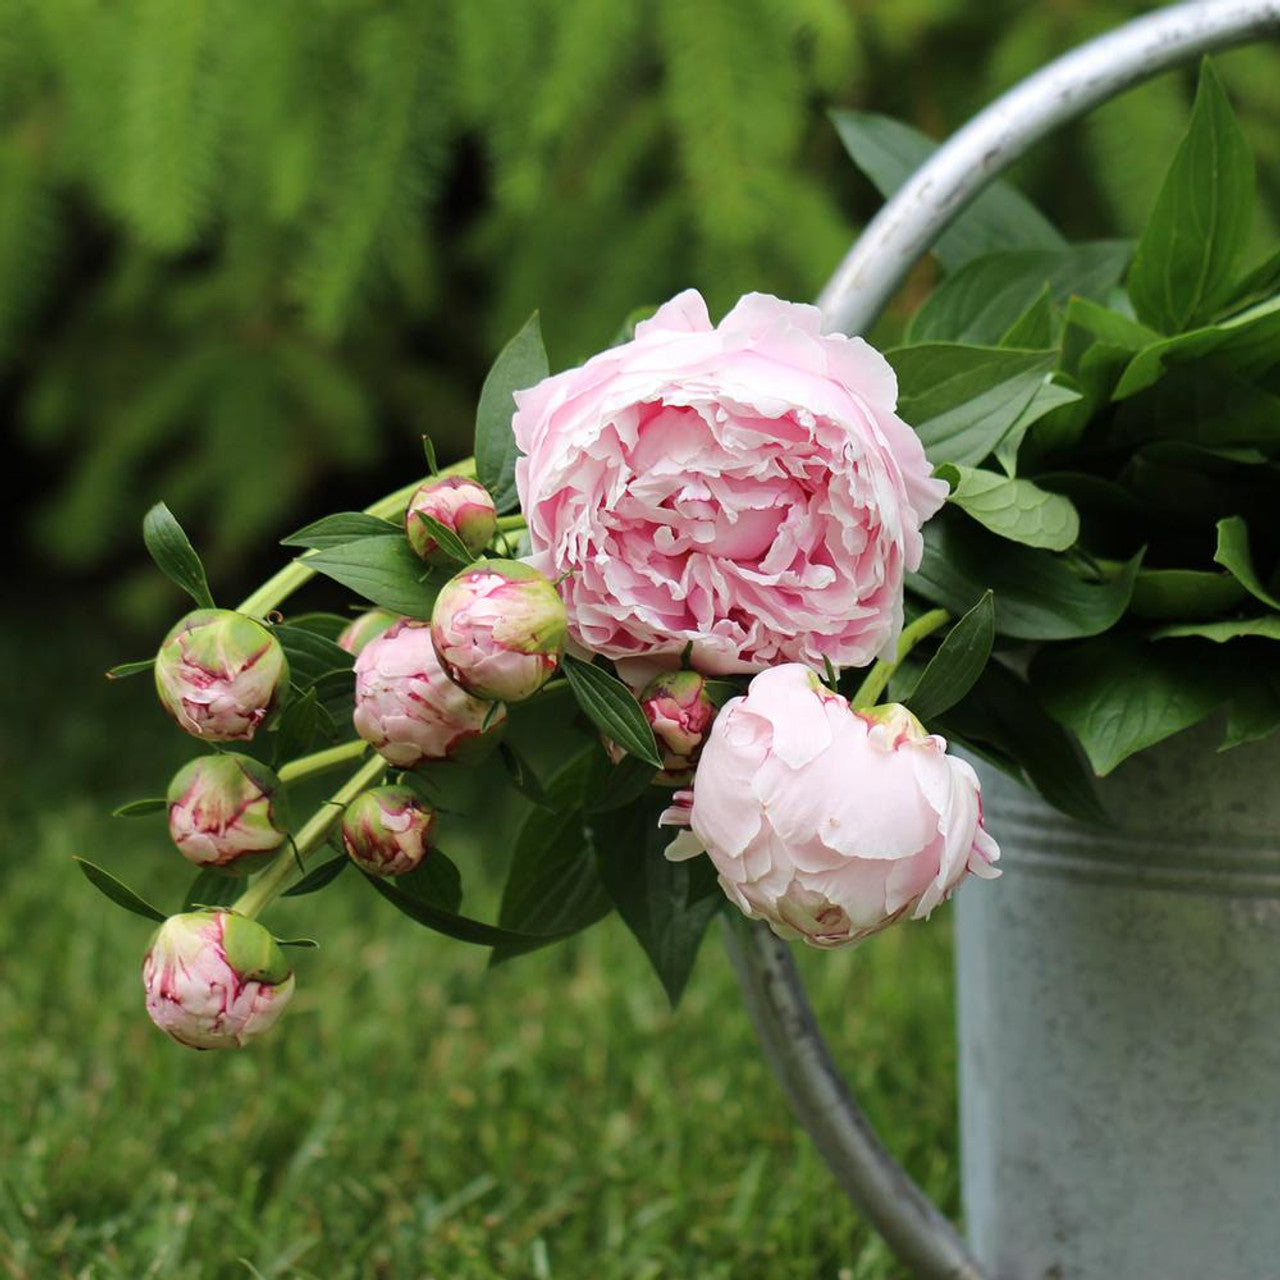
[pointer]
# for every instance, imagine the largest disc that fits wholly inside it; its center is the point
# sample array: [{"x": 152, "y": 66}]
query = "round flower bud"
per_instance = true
[
  {"x": 830, "y": 823},
  {"x": 222, "y": 812},
  {"x": 464, "y": 506},
  {"x": 680, "y": 711},
  {"x": 499, "y": 629},
  {"x": 214, "y": 979},
  {"x": 219, "y": 674},
  {"x": 408, "y": 710},
  {"x": 387, "y": 831},
  {"x": 368, "y": 626}
]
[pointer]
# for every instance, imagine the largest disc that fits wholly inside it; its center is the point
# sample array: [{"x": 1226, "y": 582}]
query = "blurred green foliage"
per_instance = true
[{"x": 245, "y": 247}]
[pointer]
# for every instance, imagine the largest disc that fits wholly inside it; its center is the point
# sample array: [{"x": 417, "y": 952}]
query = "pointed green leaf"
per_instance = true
[
  {"x": 522, "y": 775},
  {"x": 141, "y": 808},
  {"x": 174, "y": 555},
  {"x": 122, "y": 670},
  {"x": 319, "y": 876},
  {"x": 384, "y": 571},
  {"x": 1234, "y": 556},
  {"x": 445, "y": 538},
  {"x": 212, "y": 888},
  {"x": 521, "y": 364},
  {"x": 612, "y": 708},
  {"x": 339, "y": 529},
  {"x": 1013, "y": 509},
  {"x": 119, "y": 892},
  {"x": 960, "y": 660}
]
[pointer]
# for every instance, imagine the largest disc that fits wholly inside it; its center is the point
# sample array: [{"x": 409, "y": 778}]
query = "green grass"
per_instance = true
[{"x": 413, "y": 1115}]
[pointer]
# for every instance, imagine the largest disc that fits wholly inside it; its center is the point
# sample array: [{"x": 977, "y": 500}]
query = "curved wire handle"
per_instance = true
[{"x": 901, "y": 233}]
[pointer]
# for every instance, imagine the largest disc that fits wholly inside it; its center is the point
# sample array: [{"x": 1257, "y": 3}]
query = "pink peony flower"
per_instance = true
[
  {"x": 219, "y": 674},
  {"x": 499, "y": 630},
  {"x": 829, "y": 823},
  {"x": 387, "y": 831},
  {"x": 214, "y": 980},
  {"x": 461, "y": 504},
  {"x": 222, "y": 812},
  {"x": 746, "y": 487},
  {"x": 407, "y": 709}
]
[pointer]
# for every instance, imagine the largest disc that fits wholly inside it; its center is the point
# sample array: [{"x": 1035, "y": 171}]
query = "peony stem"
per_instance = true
[
  {"x": 509, "y": 524},
  {"x": 879, "y": 676},
  {"x": 272, "y": 882},
  {"x": 282, "y": 585},
  {"x": 319, "y": 761}
]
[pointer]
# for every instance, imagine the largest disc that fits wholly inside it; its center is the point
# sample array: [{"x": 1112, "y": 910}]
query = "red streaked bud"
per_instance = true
[{"x": 387, "y": 831}]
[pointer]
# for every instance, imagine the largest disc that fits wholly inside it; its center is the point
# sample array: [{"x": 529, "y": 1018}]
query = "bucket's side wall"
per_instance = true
[{"x": 1119, "y": 1003}]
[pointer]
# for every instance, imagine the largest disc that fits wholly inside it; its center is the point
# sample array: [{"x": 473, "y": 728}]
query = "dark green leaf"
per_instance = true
[
  {"x": 319, "y": 876},
  {"x": 1119, "y": 695},
  {"x": 429, "y": 452},
  {"x": 336, "y": 695},
  {"x": 309, "y": 943},
  {"x": 310, "y": 655},
  {"x": 1033, "y": 329},
  {"x": 1186, "y": 260},
  {"x": 1049, "y": 398},
  {"x": 667, "y": 905},
  {"x": 445, "y": 538},
  {"x": 1184, "y": 593},
  {"x": 303, "y": 726},
  {"x": 122, "y": 670},
  {"x": 1234, "y": 556},
  {"x": 1254, "y": 710},
  {"x": 1013, "y": 509},
  {"x": 952, "y": 671},
  {"x": 623, "y": 783},
  {"x": 118, "y": 892},
  {"x": 174, "y": 555},
  {"x": 963, "y": 400},
  {"x": 435, "y": 881},
  {"x": 612, "y": 708},
  {"x": 521, "y": 364},
  {"x": 1111, "y": 328},
  {"x": 627, "y": 329},
  {"x": 328, "y": 625},
  {"x": 1038, "y": 596},
  {"x": 1260, "y": 283},
  {"x": 523, "y": 778},
  {"x": 384, "y": 571},
  {"x": 889, "y": 152},
  {"x": 212, "y": 888},
  {"x": 337, "y": 530},
  {"x": 1266, "y": 628},
  {"x": 141, "y": 808}
]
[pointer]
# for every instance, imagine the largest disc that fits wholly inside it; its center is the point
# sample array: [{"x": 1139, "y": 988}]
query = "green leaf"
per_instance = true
[
  {"x": 174, "y": 555},
  {"x": 435, "y": 881},
  {"x": 1254, "y": 710},
  {"x": 981, "y": 302},
  {"x": 1119, "y": 695},
  {"x": 212, "y": 888},
  {"x": 310, "y": 655},
  {"x": 889, "y": 152},
  {"x": 627, "y": 780},
  {"x": 328, "y": 625},
  {"x": 1109, "y": 327},
  {"x": 612, "y": 708},
  {"x": 1013, "y": 509},
  {"x": 1266, "y": 628},
  {"x": 1184, "y": 593},
  {"x": 552, "y": 887},
  {"x": 1186, "y": 260},
  {"x": 119, "y": 892},
  {"x": 952, "y": 671},
  {"x": 522, "y": 775},
  {"x": 319, "y": 876},
  {"x": 521, "y": 364},
  {"x": 429, "y": 452},
  {"x": 1038, "y": 596},
  {"x": 309, "y": 943},
  {"x": 445, "y": 538},
  {"x": 1234, "y": 556},
  {"x": 122, "y": 670},
  {"x": 1202, "y": 405},
  {"x": 963, "y": 400},
  {"x": 1049, "y": 398},
  {"x": 141, "y": 808},
  {"x": 666, "y": 905},
  {"x": 336, "y": 694},
  {"x": 302, "y": 726},
  {"x": 1260, "y": 283},
  {"x": 337, "y": 530},
  {"x": 384, "y": 571},
  {"x": 1002, "y": 718},
  {"x": 1033, "y": 329}
]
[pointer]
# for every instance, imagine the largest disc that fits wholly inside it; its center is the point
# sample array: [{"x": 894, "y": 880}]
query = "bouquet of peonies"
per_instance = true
[{"x": 718, "y": 561}]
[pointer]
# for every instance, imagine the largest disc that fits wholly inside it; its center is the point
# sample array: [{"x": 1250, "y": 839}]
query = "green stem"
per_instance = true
[
  {"x": 278, "y": 588},
  {"x": 319, "y": 761},
  {"x": 273, "y": 881},
  {"x": 879, "y": 676},
  {"x": 509, "y": 524}
]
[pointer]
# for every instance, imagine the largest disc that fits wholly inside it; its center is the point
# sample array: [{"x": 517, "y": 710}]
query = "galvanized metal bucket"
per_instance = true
[{"x": 1119, "y": 992}]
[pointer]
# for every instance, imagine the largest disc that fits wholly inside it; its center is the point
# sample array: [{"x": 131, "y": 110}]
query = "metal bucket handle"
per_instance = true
[{"x": 875, "y": 266}]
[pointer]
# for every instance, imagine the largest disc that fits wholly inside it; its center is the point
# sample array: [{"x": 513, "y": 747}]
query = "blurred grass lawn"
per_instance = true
[{"x": 413, "y": 1115}]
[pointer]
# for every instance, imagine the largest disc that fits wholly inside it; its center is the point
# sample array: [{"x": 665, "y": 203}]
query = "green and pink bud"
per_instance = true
[
  {"x": 387, "y": 831},
  {"x": 368, "y": 626},
  {"x": 499, "y": 629},
  {"x": 214, "y": 979},
  {"x": 409, "y": 710},
  {"x": 220, "y": 674},
  {"x": 462, "y": 505},
  {"x": 222, "y": 813},
  {"x": 680, "y": 710}
]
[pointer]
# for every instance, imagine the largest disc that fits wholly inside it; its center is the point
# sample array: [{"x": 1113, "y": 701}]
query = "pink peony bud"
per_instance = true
[
  {"x": 460, "y": 504},
  {"x": 368, "y": 626},
  {"x": 499, "y": 629},
  {"x": 830, "y": 823},
  {"x": 408, "y": 709},
  {"x": 388, "y": 830},
  {"x": 214, "y": 979},
  {"x": 680, "y": 710},
  {"x": 222, "y": 812},
  {"x": 219, "y": 674}
]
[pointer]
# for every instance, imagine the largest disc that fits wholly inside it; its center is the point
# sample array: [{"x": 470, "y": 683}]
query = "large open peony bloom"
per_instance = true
[
  {"x": 827, "y": 822},
  {"x": 747, "y": 487}
]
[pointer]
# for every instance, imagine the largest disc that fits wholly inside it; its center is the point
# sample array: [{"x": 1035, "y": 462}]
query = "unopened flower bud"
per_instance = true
[
  {"x": 499, "y": 629},
  {"x": 462, "y": 505},
  {"x": 220, "y": 673},
  {"x": 387, "y": 831},
  {"x": 222, "y": 812},
  {"x": 680, "y": 711},
  {"x": 368, "y": 626},
  {"x": 408, "y": 710},
  {"x": 214, "y": 979}
]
